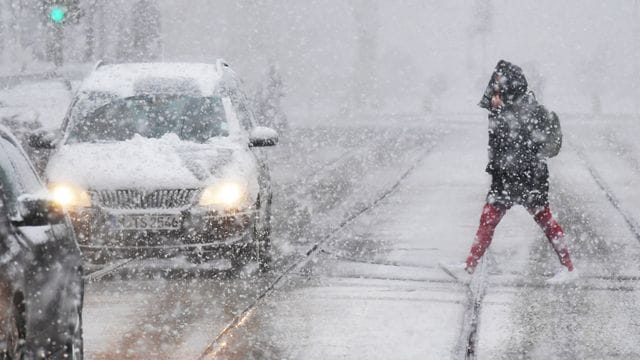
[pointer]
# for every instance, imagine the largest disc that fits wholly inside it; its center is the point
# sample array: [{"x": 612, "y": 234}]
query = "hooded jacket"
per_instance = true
[{"x": 517, "y": 129}]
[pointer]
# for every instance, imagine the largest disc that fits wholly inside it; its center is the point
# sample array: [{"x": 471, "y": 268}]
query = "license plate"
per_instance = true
[{"x": 148, "y": 222}]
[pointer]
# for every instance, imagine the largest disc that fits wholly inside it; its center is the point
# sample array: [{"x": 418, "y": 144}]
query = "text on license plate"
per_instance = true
[{"x": 148, "y": 222}]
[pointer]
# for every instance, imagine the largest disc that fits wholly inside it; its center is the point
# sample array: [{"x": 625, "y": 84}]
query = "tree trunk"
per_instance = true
[{"x": 89, "y": 32}]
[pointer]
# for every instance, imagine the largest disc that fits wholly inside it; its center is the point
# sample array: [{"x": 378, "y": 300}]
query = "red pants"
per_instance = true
[{"x": 490, "y": 218}]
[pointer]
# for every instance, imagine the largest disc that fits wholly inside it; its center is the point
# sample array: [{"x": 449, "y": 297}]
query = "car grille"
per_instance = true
[{"x": 141, "y": 199}]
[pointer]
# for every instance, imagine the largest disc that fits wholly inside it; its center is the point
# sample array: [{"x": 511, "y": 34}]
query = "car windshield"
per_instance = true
[{"x": 196, "y": 119}]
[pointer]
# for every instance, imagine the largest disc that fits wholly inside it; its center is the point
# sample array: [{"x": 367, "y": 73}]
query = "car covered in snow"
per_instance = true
[
  {"x": 41, "y": 284},
  {"x": 163, "y": 159}
]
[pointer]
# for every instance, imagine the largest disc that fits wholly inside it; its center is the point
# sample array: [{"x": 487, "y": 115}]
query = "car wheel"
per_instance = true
[
  {"x": 75, "y": 347},
  {"x": 15, "y": 329},
  {"x": 9, "y": 341},
  {"x": 258, "y": 249},
  {"x": 9, "y": 338}
]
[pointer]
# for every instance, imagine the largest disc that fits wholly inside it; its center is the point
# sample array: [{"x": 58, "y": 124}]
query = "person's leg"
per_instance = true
[
  {"x": 489, "y": 220},
  {"x": 554, "y": 233}
]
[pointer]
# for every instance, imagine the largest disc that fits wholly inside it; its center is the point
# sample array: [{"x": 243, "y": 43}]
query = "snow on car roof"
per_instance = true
[{"x": 124, "y": 79}]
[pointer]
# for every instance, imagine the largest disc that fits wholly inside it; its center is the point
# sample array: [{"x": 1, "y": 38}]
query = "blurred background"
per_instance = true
[{"x": 337, "y": 59}]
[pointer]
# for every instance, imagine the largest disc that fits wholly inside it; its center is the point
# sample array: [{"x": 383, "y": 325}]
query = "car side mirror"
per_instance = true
[
  {"x": 43, "y": 140},
  {"x": 37, "y": 210},
  {"x": 263, "y": 136}
]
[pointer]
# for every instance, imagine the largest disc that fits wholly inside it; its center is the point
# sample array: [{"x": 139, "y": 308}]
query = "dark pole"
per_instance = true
[
  {"x": 56, "y": 37},
  {"x": 635, "y": 29},
  {"x": 90, "y": 32}
]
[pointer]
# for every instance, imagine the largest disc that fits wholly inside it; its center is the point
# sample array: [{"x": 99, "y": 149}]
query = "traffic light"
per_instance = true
[
  {"x": 56, "y": 15},
  {"x": 58, "y": 12}
]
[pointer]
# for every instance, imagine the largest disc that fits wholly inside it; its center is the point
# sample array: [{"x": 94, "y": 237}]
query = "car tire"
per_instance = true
[
  {"x": 258, "y": 248},
  {"x": 10, "y": 332},
  {"x": 15, "y": 330},
  {"x": 75, "y": 349}
]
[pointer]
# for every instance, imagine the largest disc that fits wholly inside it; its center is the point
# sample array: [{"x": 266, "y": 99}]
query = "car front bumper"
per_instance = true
[{"x": 200, "y": 231}]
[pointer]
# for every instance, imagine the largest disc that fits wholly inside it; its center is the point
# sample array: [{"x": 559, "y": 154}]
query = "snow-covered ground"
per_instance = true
[
  {"x": 363, "y": 214},
  {"x": 375, "y": 290}
]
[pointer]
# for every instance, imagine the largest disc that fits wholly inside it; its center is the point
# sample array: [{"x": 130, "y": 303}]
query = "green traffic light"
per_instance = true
[{"x": 57, "y": 14}]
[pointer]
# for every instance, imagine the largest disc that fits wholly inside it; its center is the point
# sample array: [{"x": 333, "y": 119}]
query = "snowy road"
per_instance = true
[
  {"x": 323, "y": 178},
  {"x": 363, "y": 215},
  {"x": 596, "y": 193},
  {"x": 374, "y": 290}
]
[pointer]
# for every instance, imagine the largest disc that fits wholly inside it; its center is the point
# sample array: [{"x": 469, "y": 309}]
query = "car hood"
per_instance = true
[{"x": 143, "y": 163}]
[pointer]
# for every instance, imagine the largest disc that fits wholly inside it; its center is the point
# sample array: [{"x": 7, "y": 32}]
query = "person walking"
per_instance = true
[{"x": 522, "y": 136}]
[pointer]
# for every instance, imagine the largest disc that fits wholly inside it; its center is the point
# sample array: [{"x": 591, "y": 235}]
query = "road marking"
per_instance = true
[
  {"x": 633, "y": 226},
  {"x": 471, "y": 321}
]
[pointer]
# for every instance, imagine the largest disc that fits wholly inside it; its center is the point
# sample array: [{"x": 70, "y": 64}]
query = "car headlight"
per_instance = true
[
  {"x": 229, "y": 195},
  {"x": 69, "y": 196}
]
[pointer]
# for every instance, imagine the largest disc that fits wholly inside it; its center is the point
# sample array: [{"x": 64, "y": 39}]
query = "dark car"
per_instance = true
[{"x": 41, "y": 284}]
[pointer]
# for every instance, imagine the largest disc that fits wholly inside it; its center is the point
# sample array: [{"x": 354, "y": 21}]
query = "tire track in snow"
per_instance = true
[
  {"x": 567, "y": 325},
  {"x": 468, "y": 336},
  {"x": 476, "y": 289},
  {"x": 173, "y": 298},
  {"x": 629, "y": 220},
  {"x": 218, "y": 343},
  {"x": 329, "y": 184}
]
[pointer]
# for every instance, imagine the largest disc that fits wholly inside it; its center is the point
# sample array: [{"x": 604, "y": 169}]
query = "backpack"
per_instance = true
[{"x": 553, "y": 135}]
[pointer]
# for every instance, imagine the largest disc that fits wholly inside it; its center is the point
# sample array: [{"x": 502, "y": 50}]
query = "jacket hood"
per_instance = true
[{"x": 509, "y": 80}]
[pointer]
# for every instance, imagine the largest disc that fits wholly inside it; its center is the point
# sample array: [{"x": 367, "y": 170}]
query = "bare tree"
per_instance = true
[
  {"x": 535, "y": 78},
  {"x": 636, "y": 53},
  {"x": 483, "y": 23},
  {"x": 89, "y": 31},
  {"x": 145, "y": 31},
  {"x": 9, "y": 26},
  {"x": 268, "y": 101},
  {"x": 593, "y": 75},
  {"x": 479, "y": 32},
  {"x": 437, "y": 86},
  {"x": 365, "y": 84},
  {"x": 3, "y": 25}
]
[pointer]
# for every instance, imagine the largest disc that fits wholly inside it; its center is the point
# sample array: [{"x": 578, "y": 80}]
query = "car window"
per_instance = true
[
  {"x": 16, "y": 174},
  {"x": 195, "y": 119}
]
